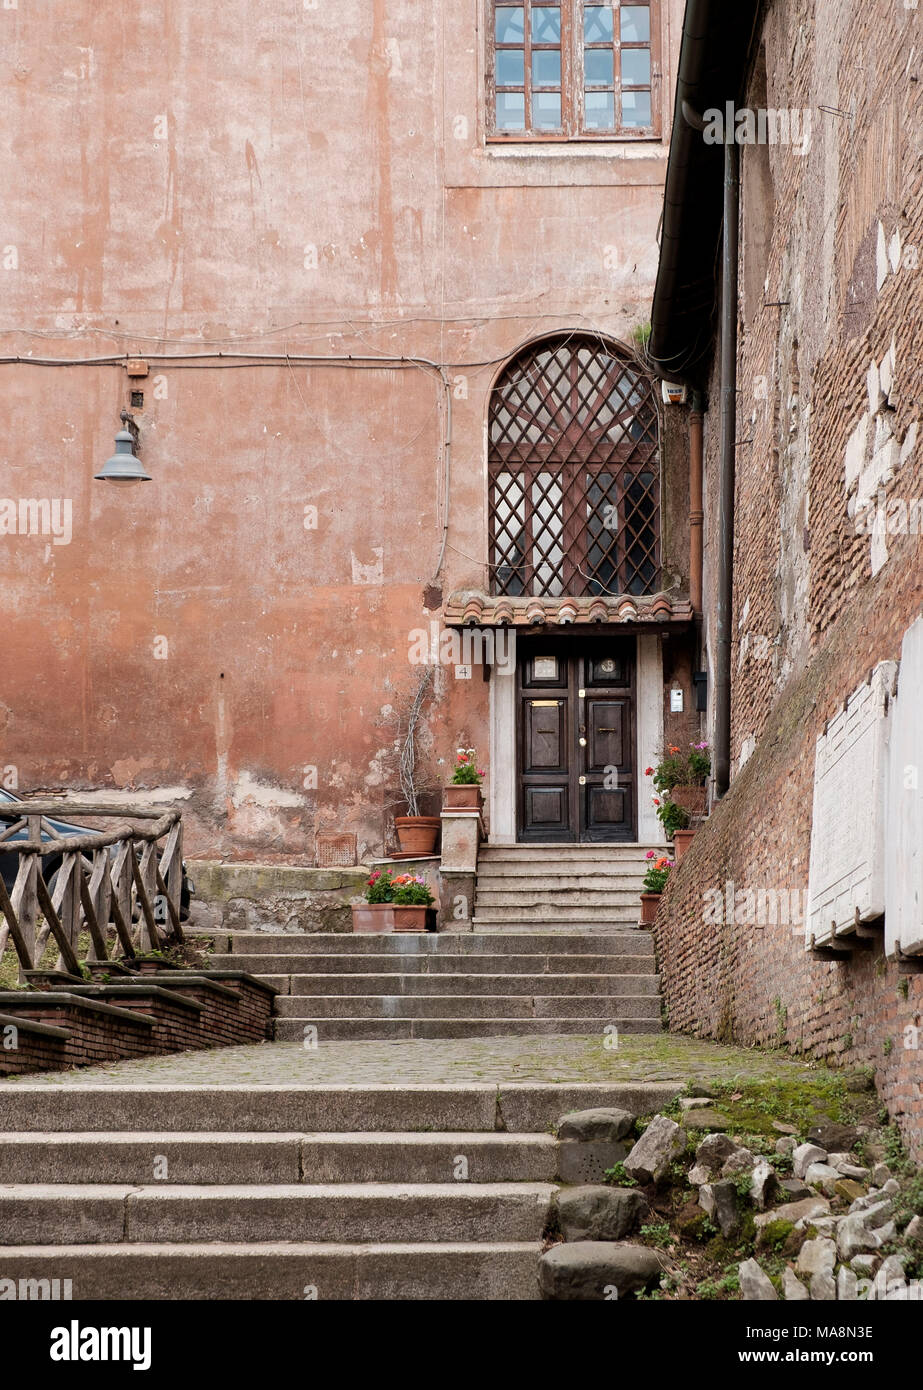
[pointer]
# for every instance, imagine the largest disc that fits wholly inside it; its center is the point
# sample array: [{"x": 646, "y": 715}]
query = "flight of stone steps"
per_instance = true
[
  {"x": 453, "y": 984},
  {"x": 242, "y": 1191},
  {"x": 561, "y": 886}
]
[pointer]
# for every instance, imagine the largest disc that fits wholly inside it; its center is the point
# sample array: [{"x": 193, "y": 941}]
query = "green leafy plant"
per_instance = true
[
  {"x": 659, "y": 870},
  {"x": 657, "y": 1234},
  {"x": 617, "y": 1176},
  {"x": 467, "y": 773},
  {"x": 671, "y": 816},
  {"x": 404, "y": 890},
  {"x": 677, "y": 767},
  {"x": 641, "y": 334}
]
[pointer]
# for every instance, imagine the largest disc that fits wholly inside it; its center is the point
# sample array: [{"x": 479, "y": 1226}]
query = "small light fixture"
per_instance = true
[{"x": 124, "y": 467}]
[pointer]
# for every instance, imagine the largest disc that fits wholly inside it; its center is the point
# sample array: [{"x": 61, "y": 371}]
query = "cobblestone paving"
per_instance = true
[{"x": 663, "y": 1057}]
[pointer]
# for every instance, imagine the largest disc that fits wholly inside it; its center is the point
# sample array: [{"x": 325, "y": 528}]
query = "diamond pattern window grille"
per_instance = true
[{"x": 574, "y": 474}]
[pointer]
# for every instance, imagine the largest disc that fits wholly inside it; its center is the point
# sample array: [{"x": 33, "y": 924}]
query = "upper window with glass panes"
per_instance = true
[{"x": 572, "y": 70}]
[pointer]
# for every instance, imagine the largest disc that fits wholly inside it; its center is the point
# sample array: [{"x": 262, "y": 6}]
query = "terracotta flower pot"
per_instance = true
[
  {"x": 649, "y": 904},
  {"x": 690, "y": 798},
  {"x": 414, "y": 918},
  {"x": 389, "y": 917},
  {"x": 417, "y": 834},
  {"x": 373, "y": 917},
  {"x": 682, "y": 839},
  {"x": 464, "y": 797}
]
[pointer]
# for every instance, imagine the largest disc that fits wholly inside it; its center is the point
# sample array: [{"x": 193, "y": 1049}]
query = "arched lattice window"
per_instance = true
[{"x": 574, "y": 473}]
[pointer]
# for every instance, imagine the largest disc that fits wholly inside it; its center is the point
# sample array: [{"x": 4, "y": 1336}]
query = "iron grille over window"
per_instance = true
[{"x": 574, "y": 474}]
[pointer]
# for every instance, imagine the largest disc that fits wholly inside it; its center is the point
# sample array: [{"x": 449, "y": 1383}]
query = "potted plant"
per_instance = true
[
  {"x": 681, "y": 777},
  {"x": 464, "y": 791},
  {"x": 655, "y": 880},
  {"x": 395, "y": 903},
  {"x": 680, "y": 791},
  {"x": 416, "y": 834}
]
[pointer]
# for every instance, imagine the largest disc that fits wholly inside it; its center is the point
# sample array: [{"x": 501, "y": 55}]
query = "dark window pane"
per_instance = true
[
  {"x": 636, "y": 24},
  {"x": 511, "y": 111},
  {"x": 511, "y": 67},
  {"x": 600, "y": 111},
  {"x": 597, "y": 23},
  {"x": 546, "y": 24},
  {"x": 636, "y": 67},
  {"x": 509, "y": 24},
  {"x": 546, "y": 111},
  {"x": 598, "y": 66},
  {"x": 546, "y": 68},
  {"x": 636, "y": 108}
]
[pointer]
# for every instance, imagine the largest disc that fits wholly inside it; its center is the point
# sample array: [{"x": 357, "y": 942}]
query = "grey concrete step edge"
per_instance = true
[
  {"x": 492, "y": 986},
  {"x": 466, "y": 1271},
  {"x": 221, "y": 1159},
  {"x": 252, "y": 943},
  {"x": 552, "y": 898},
  {"x": 516, "y": 1107},
  {"x": 352, "y": 1212},
  {"x": 481, "y": 1006},
  {"x": 405, "y": 1029}
]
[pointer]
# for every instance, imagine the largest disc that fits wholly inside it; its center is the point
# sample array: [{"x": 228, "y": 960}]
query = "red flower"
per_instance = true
[{"x": 648, "y": 772}]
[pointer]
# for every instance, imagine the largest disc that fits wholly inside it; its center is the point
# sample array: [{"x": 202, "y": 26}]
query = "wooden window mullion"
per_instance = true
[{"x": 527, "y": 62}]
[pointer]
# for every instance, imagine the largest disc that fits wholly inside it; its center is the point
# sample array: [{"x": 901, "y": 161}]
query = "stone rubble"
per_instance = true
[{"x": 830, "y": 1255}]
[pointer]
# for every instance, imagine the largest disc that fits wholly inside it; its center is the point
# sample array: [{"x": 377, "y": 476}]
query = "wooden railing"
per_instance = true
[{"x": 120, "y": 877}]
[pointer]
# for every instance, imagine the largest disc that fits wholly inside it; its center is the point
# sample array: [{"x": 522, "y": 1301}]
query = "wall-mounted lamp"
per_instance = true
[{"x": 124, "y": 467}]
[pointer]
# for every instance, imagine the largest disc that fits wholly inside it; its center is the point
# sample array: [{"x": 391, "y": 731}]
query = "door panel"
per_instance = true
[
  {"x": 546, "y": 736},
  {"x": 576, "y": 741}
]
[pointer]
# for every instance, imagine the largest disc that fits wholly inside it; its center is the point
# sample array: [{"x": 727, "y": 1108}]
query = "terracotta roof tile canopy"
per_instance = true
[{"x": 470, "y": 608}]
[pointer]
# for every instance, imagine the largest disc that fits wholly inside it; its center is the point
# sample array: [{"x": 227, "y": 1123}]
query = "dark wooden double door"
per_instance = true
[{"x": 576, "y": 735}]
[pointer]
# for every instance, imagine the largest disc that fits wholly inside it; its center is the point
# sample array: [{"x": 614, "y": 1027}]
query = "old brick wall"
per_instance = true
[{"x": 830, "y": 294}]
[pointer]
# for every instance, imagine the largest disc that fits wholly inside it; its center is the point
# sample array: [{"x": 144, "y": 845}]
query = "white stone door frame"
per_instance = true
[{"x": 503, "y": 735}]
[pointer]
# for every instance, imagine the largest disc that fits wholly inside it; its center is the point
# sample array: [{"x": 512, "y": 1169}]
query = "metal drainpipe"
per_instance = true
[
  {"x": 727, "y": 468},
  {"x": 696, "y": 513}
]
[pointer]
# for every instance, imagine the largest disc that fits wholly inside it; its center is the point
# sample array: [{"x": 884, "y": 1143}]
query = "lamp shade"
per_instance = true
[{"x": 123, "y": 467}]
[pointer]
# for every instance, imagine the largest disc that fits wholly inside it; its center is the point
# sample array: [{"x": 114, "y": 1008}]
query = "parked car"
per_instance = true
[{"x": 9, "y": 859}]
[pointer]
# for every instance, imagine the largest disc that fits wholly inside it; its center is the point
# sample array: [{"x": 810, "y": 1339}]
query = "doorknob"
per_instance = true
[{"x": 583, "y": 743}]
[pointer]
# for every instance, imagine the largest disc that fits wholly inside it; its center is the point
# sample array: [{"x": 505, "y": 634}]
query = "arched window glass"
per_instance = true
[{"x": 574, "y": 473}]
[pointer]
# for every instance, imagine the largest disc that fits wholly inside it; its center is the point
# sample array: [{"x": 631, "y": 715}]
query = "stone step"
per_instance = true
[
  {"x": 605, "y": 854},
  {"x": 564, "y": 882},
  {"x": 615, "y": 873},
  {"x": 504, "y": 1271},
  {"x": 589, "y": 930},
  {"x": 402, "y": 1029},
  {"x": 71, "y": 1105},
  {"x": 272, "y": 968},
  {"x": 313, "y": 1007},
  {"x": 409, "y": 944},
  {"x": 37, "y": 1214},
  {"x": 552, "y": 899},
  {"x": 524, "y": 912},
  {"x": 221, "y": 1159},
  {"x": 483, "y": 984}
]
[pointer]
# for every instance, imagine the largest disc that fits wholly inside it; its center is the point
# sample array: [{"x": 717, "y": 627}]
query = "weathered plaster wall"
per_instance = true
[{"x": 308, "y": 178}]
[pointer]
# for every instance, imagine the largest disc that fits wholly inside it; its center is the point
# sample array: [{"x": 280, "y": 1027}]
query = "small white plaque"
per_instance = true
[{"x": 463, "y": 673}]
